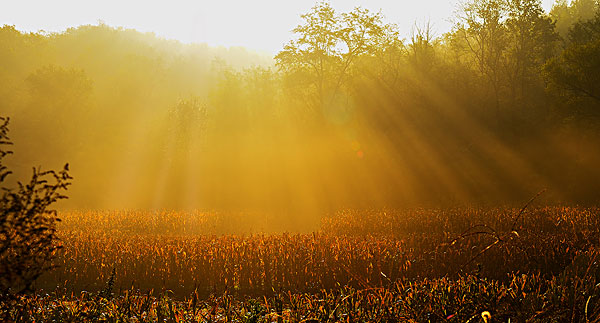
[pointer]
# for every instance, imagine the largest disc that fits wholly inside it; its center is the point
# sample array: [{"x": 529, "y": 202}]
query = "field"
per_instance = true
[
  {"x": 538, "y": 264},
  {"x": 348, "y": 161}
]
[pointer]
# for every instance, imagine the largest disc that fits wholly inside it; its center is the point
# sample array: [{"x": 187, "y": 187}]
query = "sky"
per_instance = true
[{"x": 261, "y": 25}]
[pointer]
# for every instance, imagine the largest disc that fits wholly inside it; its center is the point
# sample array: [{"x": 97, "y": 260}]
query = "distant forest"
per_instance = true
[{"x": 347, "y": 114}]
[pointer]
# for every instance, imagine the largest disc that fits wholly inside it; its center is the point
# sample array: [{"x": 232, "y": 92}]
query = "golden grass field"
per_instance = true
[{"x": 386, "y": 265}]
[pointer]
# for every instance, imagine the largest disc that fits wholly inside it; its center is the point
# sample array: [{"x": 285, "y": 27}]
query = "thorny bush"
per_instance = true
[{"x": 28, "y": 241}]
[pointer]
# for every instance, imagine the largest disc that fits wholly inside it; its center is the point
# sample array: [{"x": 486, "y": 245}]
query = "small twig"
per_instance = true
[
  {"x": 474, "y": 234},
  {"x": 466, "y": 233},
  {"x": 518, "y": 216}
]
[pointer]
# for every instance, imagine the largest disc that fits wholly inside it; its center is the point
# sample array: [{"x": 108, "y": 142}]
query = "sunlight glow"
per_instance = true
[
  {"x": 347, "y": 115},
  {"x": 262, "y": 25}
]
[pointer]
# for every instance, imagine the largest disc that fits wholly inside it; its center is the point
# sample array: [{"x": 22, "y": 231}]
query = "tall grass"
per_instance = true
[{"x": 380, "y": 265}]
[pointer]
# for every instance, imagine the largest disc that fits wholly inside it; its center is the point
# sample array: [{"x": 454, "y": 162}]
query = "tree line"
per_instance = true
[{"x": 349, "y": 115}]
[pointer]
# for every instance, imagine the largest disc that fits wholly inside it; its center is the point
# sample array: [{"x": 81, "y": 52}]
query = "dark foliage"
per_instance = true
[
  {"x": 574, "y": 73},
  {"x": 28, "y": 239}
]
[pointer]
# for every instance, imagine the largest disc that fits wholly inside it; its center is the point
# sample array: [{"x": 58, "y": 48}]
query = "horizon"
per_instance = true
[{"x": 189, "y": 22}]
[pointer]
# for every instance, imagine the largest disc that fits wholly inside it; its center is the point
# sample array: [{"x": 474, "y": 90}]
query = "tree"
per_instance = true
[
  {"x": 421, "y": 48},
  {"x": 481, "y": 28},
  {"x": 566, "y": 14},
  {"x": 58, "y": 102},
  {"x": 187, "y": 121},
  {"x": 28, "y": 240},
  {"x": 575, "y": 73},
  {"x": 531, "y": 41},
  {"x": 328, "y": 47}
]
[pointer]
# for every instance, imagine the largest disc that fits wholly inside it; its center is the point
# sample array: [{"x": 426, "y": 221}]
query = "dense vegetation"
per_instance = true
[{"x": 385, "y": 266}]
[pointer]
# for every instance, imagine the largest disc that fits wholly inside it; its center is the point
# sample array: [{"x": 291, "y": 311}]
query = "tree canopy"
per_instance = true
[{"x": 348, "y": 113}]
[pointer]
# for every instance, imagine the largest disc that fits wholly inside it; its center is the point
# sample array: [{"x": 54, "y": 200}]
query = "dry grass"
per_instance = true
[{"x": 375, "y": 266}]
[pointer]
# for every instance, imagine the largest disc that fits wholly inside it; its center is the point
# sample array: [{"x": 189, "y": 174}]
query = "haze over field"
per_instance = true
[{"x": 357, "y": 109}]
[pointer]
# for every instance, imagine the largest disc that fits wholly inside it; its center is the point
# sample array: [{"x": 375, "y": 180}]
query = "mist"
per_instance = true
[{"x": 348, "y": 116}]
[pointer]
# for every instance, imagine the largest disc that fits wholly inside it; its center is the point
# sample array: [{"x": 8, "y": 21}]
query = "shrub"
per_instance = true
[{"x": 28, "y": 240}]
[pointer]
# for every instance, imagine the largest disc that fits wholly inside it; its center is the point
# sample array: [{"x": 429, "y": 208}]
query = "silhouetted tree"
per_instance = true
[
  {"x": 328, "y": 46},
  {"x": 421, "y": 48},
  {"x": 575, "y": 73},
  {"x": 531, "y": 41},
  {"x": 480, "y": 27}
]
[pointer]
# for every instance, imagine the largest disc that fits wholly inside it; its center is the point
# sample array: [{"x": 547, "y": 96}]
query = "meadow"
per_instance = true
[
  {"x": 362, "y": 173},
  {"x": 421, "y": 265}
]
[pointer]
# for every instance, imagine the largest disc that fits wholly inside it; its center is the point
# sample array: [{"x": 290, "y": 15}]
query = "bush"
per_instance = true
[{"x": 28, "y": 240}]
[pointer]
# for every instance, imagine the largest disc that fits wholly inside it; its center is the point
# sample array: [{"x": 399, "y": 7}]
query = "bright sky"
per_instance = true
[{"x": 262, "y": 25}]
